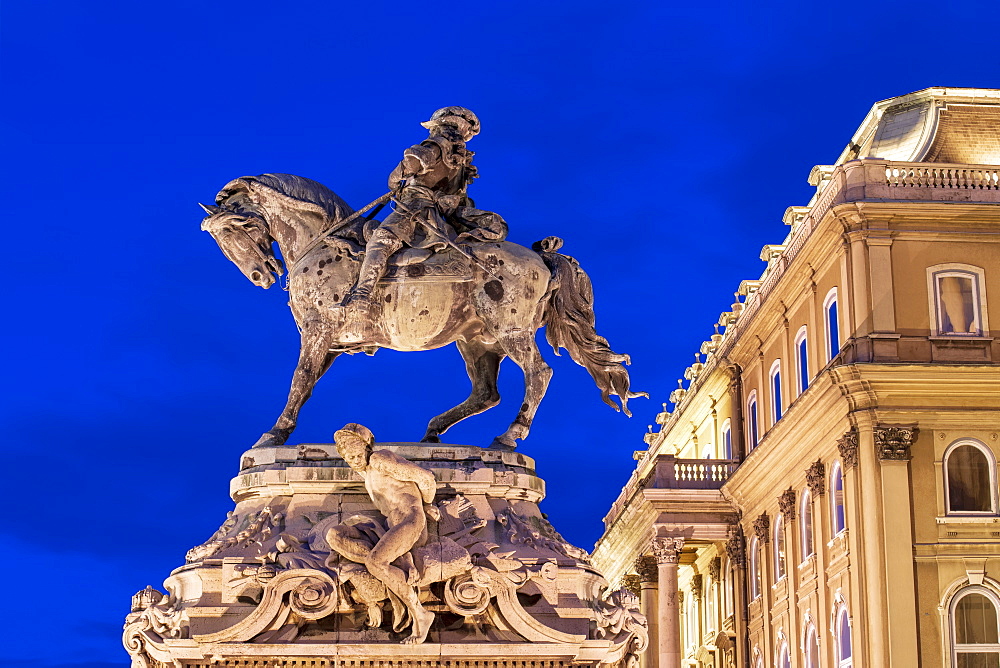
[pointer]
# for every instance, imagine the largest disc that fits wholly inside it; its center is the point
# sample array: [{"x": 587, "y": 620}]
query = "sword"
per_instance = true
[{"x": 451, "y": 244}]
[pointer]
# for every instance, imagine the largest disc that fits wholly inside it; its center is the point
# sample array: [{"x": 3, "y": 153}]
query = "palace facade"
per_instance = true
[{"x": 824, "y": 492}]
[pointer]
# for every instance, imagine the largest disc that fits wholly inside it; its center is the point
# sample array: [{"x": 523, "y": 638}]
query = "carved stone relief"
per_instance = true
[
  {"x": 667, "y": 550},
  {"x": 762, "y": 528},
  {"x": 645, "y": 566},
  {"x": 736, "y": 548},
  {"x": 893, "y": 443},
  {"x": 816, "y": 478},
  {"x": 848, "y": 447},
  {"x": 786, "y": 502}
]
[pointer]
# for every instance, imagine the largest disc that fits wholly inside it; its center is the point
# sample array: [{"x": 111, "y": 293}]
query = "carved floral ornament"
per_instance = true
[
  {"x": 736, "y": 548},
  {"x": 697, "y": 582},
  {"x": 848, "y": 447},
  {"x": 645, "y": 566},
  {"x": 715, "y": 568},
  {"x": 786, "y": 502},
  {"x": 893, "y": 442},
  {"x": 816, "y": 478},
  {"x": 667, "y": 550},
  {"x": 762, "y": 527}
]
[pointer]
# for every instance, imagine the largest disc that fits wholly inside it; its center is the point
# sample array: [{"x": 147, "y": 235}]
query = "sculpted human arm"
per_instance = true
[
  {"x": 392, "y": 465},
  {"x": 416, "y": 160}
]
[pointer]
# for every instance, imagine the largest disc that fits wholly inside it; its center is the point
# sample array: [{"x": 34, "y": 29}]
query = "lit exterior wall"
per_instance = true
[{"x": 909, "y": 252}]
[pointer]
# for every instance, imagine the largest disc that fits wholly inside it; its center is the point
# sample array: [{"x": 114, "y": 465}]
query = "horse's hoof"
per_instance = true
[
  {"x": 502, "y": 443},
  {"x": 430, "y": 438},
  {"x": 270, "y": 440}
]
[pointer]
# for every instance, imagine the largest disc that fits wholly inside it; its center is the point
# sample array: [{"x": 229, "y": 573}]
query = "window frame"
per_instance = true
[
  {"x": 807, "y": 539},
  {"x": 774, "y": 378},
  {"x": 837, "y": 525},
  {"x": 839, "y": 659},
  {"x": 756, "y": 579},
  {"x": 952, "y": 635},
  {"x": 753, "y": 420},
  {"x": 832, "y": 300},
  {"x": 727, "y": 438},
  {"x": 812, "y": 640},
  {"x": 801, "y": 355},
  {"x": 990, "y": 463},
  {"x": 784, "y": 656},
  {"x": 779, "y": 553},
  {"x": 979, "y": 302}
]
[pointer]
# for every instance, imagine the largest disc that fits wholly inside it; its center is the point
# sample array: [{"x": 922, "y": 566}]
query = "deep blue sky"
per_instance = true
[{"x": 662, "y": 140}]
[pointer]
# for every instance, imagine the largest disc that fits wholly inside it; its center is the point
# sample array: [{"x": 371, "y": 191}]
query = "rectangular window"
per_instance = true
[{"x": 957, "y": 300}]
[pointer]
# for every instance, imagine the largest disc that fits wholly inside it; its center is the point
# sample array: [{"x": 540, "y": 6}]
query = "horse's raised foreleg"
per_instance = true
[
  {"x": 315, "y": 359},
  {"x": 521, "y": 348},
  {"x": 482, "y": 363}
]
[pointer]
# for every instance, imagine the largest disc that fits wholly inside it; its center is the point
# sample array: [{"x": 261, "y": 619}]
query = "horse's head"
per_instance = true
[{"x": 244, "y": 238}]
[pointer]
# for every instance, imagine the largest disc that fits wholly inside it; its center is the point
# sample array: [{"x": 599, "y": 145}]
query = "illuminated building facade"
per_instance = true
[{"x": 824, "y": 492}]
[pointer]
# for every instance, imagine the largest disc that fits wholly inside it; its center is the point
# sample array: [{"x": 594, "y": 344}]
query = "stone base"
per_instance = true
[{"x": 267, "y": 589}]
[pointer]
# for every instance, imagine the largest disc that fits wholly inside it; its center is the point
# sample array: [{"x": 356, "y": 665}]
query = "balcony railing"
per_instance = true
[{"x": 668, "y": 472}]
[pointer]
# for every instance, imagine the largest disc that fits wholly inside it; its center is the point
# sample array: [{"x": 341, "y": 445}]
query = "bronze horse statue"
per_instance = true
[{"x": 487, "y": 298}]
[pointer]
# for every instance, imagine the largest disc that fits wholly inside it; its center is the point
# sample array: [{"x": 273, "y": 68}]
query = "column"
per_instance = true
[
  {"x": 646, "y": 567},
  {"x": 667, "y": 552},
  {"x": 892, "y": 447}
]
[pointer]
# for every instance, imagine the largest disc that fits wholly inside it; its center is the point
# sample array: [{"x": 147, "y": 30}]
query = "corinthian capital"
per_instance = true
[
  {"x": 893, "y": 443},
  {"x": 667, "y": 550},
  {"x": 848, "y": 446}
]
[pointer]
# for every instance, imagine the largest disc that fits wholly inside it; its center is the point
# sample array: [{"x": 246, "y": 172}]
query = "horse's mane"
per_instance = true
[{"x": 302, "y": 193}]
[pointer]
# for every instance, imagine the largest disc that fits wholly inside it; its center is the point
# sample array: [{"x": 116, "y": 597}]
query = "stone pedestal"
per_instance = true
[{"x": 266, "y": 589}]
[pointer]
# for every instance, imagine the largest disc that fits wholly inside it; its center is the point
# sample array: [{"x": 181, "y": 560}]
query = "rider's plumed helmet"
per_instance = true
[{"x": 465, "y": 120}]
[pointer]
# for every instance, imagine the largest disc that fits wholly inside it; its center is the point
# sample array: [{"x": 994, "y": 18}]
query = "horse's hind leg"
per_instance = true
[
  {"x": 521, "y": 348},
  {"x": 315, "y": 359},
  {"x": 482, "y": 363}
]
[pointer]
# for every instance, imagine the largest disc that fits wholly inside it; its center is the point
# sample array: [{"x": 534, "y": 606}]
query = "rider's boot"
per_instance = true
[{"x": 358, "y": 324}]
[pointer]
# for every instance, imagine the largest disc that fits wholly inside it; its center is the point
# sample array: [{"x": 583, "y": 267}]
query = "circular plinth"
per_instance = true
[{"x": 317, "y": 468}]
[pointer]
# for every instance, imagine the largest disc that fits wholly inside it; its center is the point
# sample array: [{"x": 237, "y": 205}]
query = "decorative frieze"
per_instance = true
[
  {"x": 645, "y": 566},
  {"x": 762, "y": 527},
  {"x": 893, "y": 442},
  {"x": 736, "y": 548},
  {"x": 786, "y": 502},
  {"x": 848, "y": 446},
  {"x": 667, "y": 550},
  {"x": 816, "y": 478}
]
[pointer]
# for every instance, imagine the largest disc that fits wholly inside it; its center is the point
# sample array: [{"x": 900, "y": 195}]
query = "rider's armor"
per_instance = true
[{"x": 432, "y": 211}]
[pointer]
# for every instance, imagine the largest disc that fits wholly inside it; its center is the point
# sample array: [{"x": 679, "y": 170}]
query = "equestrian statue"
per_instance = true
[{"x": 436, "y": 271}]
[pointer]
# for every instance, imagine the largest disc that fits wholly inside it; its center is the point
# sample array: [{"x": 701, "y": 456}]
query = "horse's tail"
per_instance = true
[{"x": 569, "y": 324}]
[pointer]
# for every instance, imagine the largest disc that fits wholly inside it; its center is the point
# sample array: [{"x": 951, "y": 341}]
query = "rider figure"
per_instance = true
[{"x": 431, "y": 208}]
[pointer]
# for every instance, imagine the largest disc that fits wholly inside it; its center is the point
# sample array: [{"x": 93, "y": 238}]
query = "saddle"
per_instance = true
[{"x": 420, "y": 264}]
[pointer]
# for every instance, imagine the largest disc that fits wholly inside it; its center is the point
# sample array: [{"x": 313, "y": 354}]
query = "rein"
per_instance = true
[{"x": 339, "y": 225}]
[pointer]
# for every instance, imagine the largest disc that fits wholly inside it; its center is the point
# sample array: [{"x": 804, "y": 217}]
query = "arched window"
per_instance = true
[
  {"x": 775, "y": 376},
  {"x": 844, "y": 649},
  {"x": 801, "y": 360},
  {"x": 957, "y": 295},
  {"x": 812, "y": 648},
  {"x": 831, "y": 324},
  {"x": 970, "y": 478},
  {"x": 975, "y": 635},
  {"x": 754, "y": 569},
  {"x": 728, "y": 582},
  {"x": 838, "y": 518},
  {"x": 784, "y": 658},
  {"x": 752, "y": 432},
  {"x": 806, "y": 525},
  {"x": 727, "y": 439},
  {"x": 708, "y": 452},
  {"x": 779, "y": 547}
]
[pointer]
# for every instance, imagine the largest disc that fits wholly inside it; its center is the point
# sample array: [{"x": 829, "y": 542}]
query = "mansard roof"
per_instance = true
[{"x": 944, "y": 125}]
